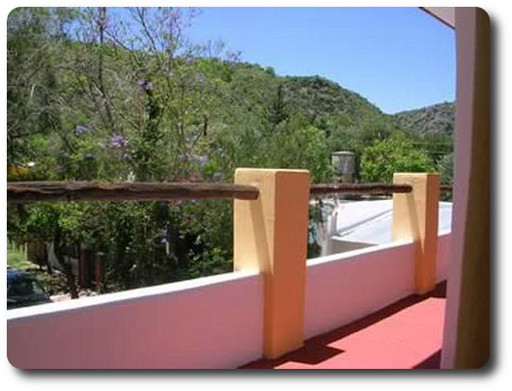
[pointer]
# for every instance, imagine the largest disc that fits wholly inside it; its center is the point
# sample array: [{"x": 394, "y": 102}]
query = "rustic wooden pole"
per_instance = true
[
  {"x": 84, "y": 270},
  {"x": 67, "y": 191},
  {"x": 19, "y": 192},
  {"x": 366, "y": 188},
  {"x": 98, "y": 271}
]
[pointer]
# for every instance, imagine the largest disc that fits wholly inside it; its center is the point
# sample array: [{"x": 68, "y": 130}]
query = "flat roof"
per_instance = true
[{"x": 372, "y": 221}]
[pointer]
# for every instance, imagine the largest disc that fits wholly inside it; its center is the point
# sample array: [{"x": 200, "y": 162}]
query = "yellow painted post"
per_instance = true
[
  {"x": 415, "y": 216},
  {"x": 270, "y": 236}
]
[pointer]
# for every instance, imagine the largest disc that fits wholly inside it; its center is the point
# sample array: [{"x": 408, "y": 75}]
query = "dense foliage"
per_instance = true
[
  {"x": 394, "y": 154},
  {"x": 98, "y": 94}
]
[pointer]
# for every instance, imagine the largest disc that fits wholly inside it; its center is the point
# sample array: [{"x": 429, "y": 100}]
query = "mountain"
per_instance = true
[
  {"x": 329, "y": 106},
  {"x": 314, "y": 98},
  {"x": 436, "y": 119},
  {"x": 318, "y": 96}
]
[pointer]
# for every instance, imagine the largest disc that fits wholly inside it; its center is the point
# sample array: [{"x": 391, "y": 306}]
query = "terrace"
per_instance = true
[
  {"x": 274, "y": 299},
  {"x": 379, "y": 307}
]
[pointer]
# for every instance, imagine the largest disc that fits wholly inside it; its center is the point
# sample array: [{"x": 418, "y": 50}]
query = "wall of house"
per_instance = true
[
  {"x": 444, "y": 241},
  {"x": 467, "y": 331},
  {"x": 211, "y": 322}
]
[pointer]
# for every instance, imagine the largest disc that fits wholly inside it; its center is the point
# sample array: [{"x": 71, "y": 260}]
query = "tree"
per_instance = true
[
  {"x": 59, "y": 224},
  {"x": 445, "y": 168},
  {"x": 395, "y": 154},
  {"x": 123, "y": 107},
  {"x": 35, "y": 37},
  {"x": 278, "y": 112}
]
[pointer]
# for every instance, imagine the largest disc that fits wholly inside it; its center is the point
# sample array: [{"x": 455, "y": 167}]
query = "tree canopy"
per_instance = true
[{"x": 395, "y": 154}]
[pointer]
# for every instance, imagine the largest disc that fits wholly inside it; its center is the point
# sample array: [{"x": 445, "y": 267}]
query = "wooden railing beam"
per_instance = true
[
  {"x": 93, "y": 191},
  {"x": 157, "y": 191}
]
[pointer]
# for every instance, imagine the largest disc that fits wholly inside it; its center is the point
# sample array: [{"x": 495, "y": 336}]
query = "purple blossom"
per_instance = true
[
  {"x": 202, "y": 160},
  {"x": 145, "y": 85},
  {"x": 102, "y": 21},
  {"x": 118, "y": 141},
  {"x": 190, "y": 61},
  {"x": 81, "y": 129}
]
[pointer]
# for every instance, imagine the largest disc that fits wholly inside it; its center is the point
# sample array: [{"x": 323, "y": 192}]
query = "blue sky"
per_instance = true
[{"x": 397, "y": 58}]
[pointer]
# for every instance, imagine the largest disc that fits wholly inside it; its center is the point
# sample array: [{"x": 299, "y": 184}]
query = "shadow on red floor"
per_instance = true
[{"x": 404, "y": 335}]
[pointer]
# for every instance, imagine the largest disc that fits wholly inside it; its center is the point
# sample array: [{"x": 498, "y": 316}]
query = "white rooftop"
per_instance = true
[{"x": 372, "y": 221}]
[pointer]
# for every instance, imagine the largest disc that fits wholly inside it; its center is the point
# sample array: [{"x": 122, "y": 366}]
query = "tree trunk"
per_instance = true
[
  {"x": 49, "y": 268},
  {"x": 66, "y": 266}
]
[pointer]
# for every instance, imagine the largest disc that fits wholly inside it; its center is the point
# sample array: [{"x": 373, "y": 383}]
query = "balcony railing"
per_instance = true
[
  {"x": 271, "y": 302},
  {"x": 97, "y": 191}
]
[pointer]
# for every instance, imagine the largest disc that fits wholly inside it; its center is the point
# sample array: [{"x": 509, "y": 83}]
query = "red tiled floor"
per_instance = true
[{"x": 407, "y": 334}]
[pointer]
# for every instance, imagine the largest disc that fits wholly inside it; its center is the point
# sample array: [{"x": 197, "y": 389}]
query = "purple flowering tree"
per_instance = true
[{"x": 134, "y": 101}]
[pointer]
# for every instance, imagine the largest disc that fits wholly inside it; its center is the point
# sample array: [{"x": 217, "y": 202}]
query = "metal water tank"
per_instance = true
[{"x": 344, "y": 166}]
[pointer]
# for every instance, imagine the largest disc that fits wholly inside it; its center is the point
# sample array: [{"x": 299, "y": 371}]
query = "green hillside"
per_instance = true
[
  {"x": 319, "y": 98},
  {"x": 436, "y": 119}
]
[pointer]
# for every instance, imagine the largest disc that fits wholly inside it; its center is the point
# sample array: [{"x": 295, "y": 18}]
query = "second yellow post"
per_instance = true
[
  {"x": 270, "y": 236},
  {"x": 415, "y": 216}
]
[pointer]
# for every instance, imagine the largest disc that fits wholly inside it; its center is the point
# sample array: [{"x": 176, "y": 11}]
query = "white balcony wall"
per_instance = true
[
  {"x": 345, "y": 287},
  {"x": 211, "y": 322},
  {"x": 342, "y": 288}
]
